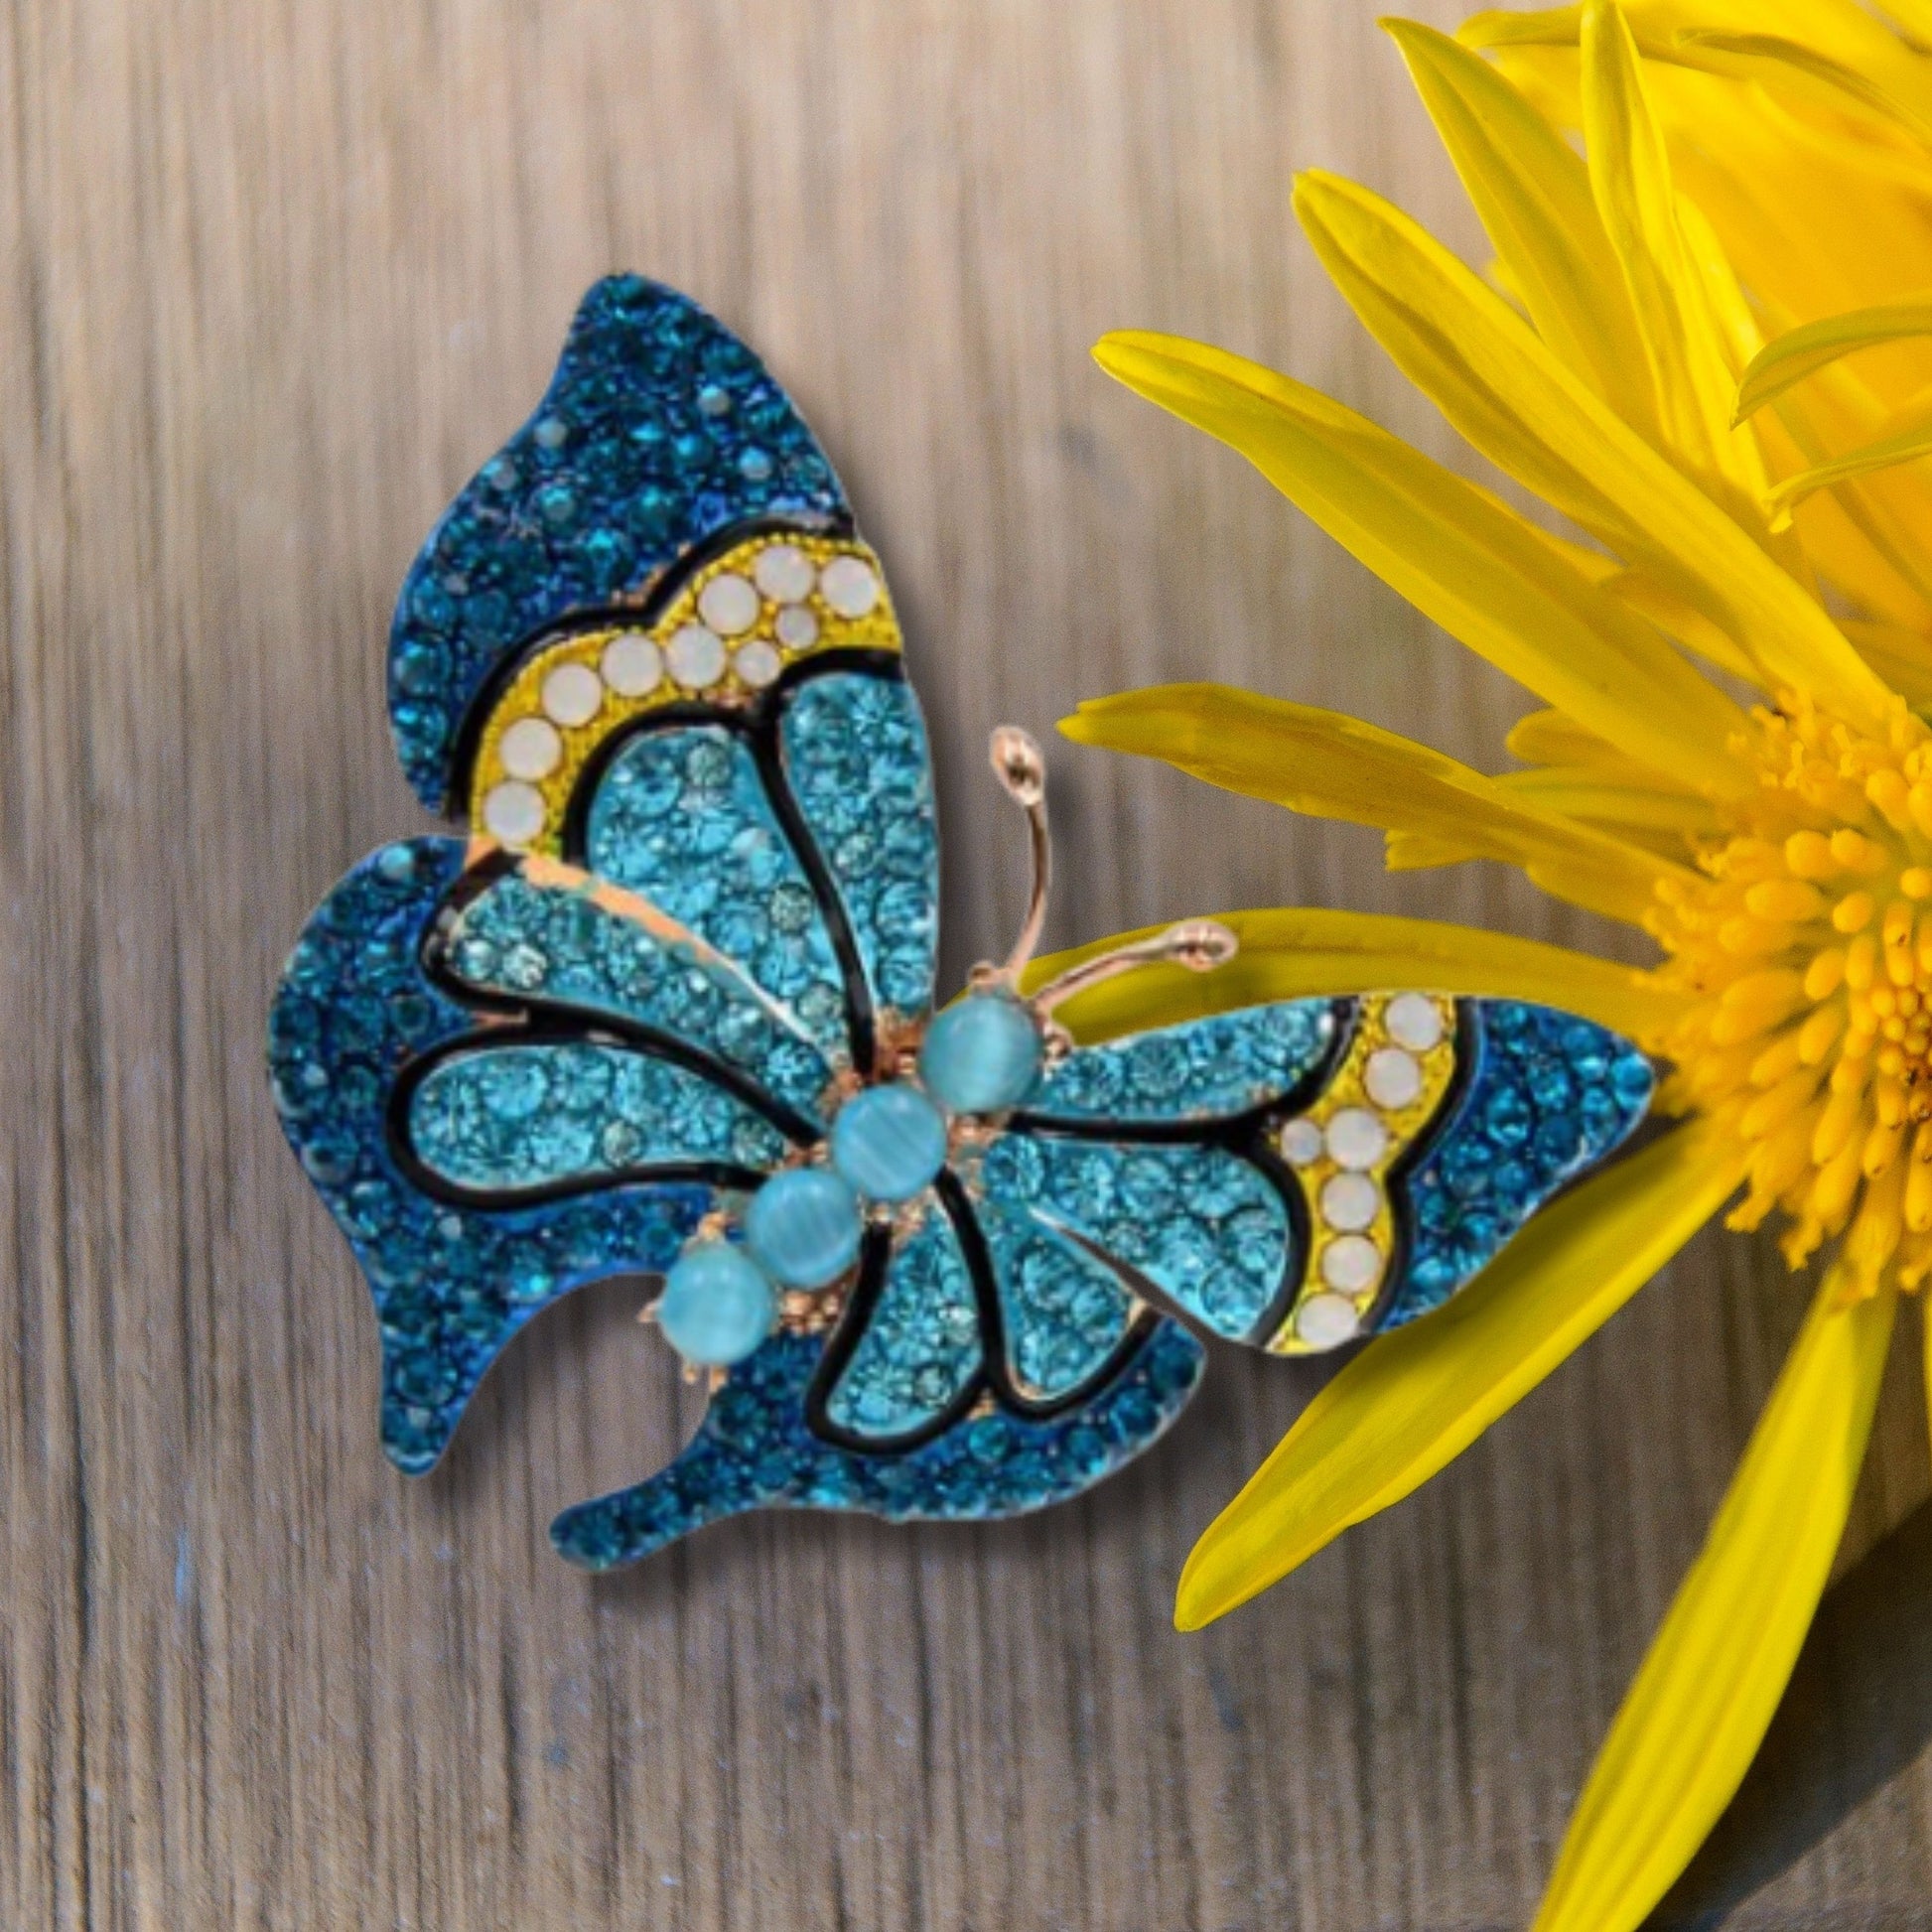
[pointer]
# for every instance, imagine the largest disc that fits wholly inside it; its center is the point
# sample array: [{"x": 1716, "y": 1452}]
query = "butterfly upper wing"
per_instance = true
[
  {"x": 659, "y": 430},
  {"x": 1296, "y": 1174}
]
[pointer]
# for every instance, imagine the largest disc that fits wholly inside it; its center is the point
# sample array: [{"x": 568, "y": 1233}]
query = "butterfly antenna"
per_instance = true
[
  {"x": 1201, "y": 945},
  {"x": 1022, "y": 769}
]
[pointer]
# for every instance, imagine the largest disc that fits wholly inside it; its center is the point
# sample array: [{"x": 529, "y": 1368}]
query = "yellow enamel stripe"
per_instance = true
[
  {"x": 1509, "y": 396},
  {"x": 1532, "y": 196},
  {"x": 1631, "y": 175},
  {"x": 1693, "y": 1718},
  {"x": 531, "y": 700},
  {"x": 1313, "y": 953},
  {"x": 1416, "y": 1398},
  {"x": 1332, "y": 766},
  {"x": 1815, "y": 345},
  {"x": 1458, "y": 554},
  {"x": 1349, "y": 1090}
]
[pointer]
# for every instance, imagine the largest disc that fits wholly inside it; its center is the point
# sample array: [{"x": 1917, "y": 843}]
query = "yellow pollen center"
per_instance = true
[{"x": 1808, "y": 944}]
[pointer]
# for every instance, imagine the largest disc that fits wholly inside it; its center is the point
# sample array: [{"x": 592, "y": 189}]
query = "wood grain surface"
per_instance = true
[{"x": 277, "y": 275}]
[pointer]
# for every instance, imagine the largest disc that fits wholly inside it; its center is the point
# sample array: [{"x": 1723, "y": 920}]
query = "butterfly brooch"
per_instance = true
[{"x": 668, "y": 1011}]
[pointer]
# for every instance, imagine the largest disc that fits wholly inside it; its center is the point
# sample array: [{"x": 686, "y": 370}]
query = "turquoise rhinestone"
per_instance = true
[
  {"x": 889, "y": 1141},
  {"x": 981, "y": 1056},
  {"x": 716, "y": 1306},
  {"x": 802, "y": 1227}
]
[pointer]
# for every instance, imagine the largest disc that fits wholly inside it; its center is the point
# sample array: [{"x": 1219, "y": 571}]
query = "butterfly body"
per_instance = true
[{"x": 671, "y": 1011}]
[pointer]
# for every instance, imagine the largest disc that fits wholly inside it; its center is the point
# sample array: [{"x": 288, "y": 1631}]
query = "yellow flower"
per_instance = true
[{"x": 1706, "y": 345}]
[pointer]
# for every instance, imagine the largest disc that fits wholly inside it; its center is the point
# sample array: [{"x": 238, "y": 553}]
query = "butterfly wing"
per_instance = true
[
  {"x": 1293, "y": 1175},
  {"x": 458, "y": 1260},
  {"x": 644, "y": 641}
]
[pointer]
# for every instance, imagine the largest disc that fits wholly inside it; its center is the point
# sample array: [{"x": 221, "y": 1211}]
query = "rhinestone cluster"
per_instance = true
[
  {"x": 451, "y": 1284},
  {"x": 1549, "y": 1096},
  {"x": 728, "y": 634},
  {"x": 1400, "y": 1061},
  {"x": 659, "y": 430},
  {"x": 576, "y": 942},
  {"x": 755, "y": 1450}
]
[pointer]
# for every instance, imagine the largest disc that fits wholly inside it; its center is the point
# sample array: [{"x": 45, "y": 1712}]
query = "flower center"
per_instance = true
[{"x": 1810, "y": 946}]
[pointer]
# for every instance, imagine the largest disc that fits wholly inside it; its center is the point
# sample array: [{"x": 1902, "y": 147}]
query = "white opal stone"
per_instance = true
[
  {"x": 784, "y": 573},
  {"x": 1393, "y": 1078},
  {"x": 1327, "y": 1321},
  {"x": 530, "y": 749},
  {"x": 848, "y": 584},
  {"x": 632, "y": 666},
  {"x": 1351, "y": 1263},
  {"x": 1301, "y": 1143},
  {"x": 1356, "y": 1138},
  {"x": 1412, "y": 1021},
  {"x": 571, "y": 694},
  {"x": 797, "y": 626},
  {"x": 696, "y": 657},
  {"x": 757, "y": 662},
  {"x": 729, "y": 604},
  {"x": 1350, "y": 1202},
  {"x": 513, "y": 812}
]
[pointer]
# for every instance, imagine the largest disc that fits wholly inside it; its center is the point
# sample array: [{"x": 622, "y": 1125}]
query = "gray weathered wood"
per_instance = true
[{"x": 277, "y": 276}]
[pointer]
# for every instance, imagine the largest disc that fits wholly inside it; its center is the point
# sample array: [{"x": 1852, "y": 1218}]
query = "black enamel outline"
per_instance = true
[
  {"x": 644, "y": 608},
  {"x": 992, "y": 1377},
  {"x": 1249, "y": 1136},
  {"x": 543, "y": 1021},
  {"x": 534, "y": 1033},
  {"x": 758, "y": 725}
]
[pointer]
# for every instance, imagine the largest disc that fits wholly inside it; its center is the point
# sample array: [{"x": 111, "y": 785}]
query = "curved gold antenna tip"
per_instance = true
[
  {"x": 1201, "y": 945},
  {"x": 1020, "y": 764}
]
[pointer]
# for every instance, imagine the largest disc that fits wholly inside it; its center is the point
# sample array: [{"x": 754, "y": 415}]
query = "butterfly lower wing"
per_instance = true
[
  {"x": 478, "y": 1175},
  {"x": 756, "y": 1450},
  {"x": 1295, "y": 1176}
]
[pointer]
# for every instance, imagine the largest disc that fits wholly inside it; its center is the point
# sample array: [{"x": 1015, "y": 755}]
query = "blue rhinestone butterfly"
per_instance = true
[{"x": 669, "y": 1011}]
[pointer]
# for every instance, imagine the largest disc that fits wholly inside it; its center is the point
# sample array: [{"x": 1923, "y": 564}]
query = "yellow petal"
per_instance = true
[
  {"x": 1455, "y": 551},
  {"x": 1787, "y": 66},
  {"x": 1303, "y": 952},
  {"x": 1503, "y": 390},
  {"x": 1675, "y": 617},
  {"x": 1902, "y": 657},
  {"x": 1803, "y": 351},
  {"x": 1905, "y": 445},
  {"x": 1533, "y": 195},
  {"x": 1332, "y": 766},
  {"x": 1414, "y": 1399},
  {"x": 1693, "y": 1718},
  {"x": 1630, "y": 175}
]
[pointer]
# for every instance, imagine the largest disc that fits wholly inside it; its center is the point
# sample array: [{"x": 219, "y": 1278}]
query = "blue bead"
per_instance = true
[
  {"x": 803, "y": 1227},
  {"x": 717, "y": 1307},
  {"x": 889, "y": 1141},
  {"x": 982, "y": 1055}
]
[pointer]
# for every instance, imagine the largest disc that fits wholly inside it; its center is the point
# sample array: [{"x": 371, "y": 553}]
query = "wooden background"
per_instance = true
[{"x": 277, "y": 275}]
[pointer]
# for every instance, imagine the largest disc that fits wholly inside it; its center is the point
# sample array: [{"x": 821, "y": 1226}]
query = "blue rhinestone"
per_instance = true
[
  {"x": 803, "y": 1227},
  {"x": 717, "y": 1307},
  {"x": 981, "y": 1056},
  {"x": 890, "y": 1142}
]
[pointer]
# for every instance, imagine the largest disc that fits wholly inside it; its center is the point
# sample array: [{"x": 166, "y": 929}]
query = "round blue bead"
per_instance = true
[
  {"x": 889, "y": 1141},
  {"x": 716, "y": 1306},
  {"x": 804, "y": 1227},
  {"x": 981, "y": 1056}
]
